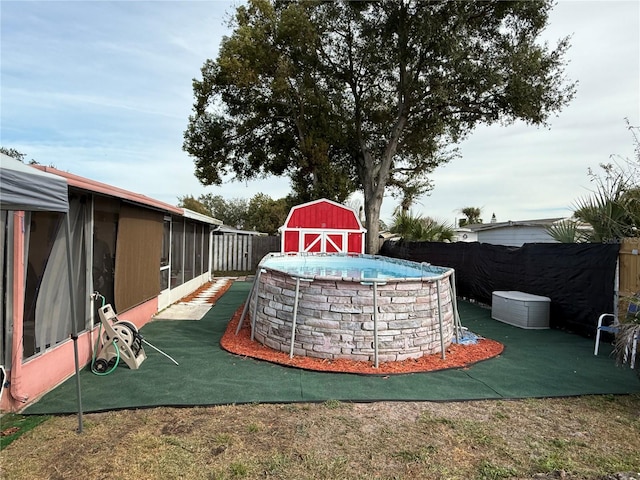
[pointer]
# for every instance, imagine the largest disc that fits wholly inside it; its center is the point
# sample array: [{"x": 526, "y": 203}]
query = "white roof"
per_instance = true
[{"x": 199, "y": 216}]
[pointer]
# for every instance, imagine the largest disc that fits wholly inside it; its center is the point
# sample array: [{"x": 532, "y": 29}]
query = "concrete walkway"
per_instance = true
[{"x": 194, "y": 308}]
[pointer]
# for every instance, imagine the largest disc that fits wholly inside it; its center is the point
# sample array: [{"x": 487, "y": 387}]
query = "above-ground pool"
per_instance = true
[{"x": 356, "y": 307}]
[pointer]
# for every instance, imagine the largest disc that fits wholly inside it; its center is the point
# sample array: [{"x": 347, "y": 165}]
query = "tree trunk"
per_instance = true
[{"x": 372, "y": 223}]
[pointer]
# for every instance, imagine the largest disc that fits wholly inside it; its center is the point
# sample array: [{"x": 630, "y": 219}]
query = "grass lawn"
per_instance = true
[
  {"x": 589, "y": 437},
  {"x": 13, "y": 426}
]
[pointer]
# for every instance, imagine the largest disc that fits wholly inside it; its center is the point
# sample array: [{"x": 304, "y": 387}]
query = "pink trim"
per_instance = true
[
  {"x": 40, "y": 374},
  {"x": 141, "y": 314},
  {"x": 44, "y": 372},
  {"x": 98, "y": 187},
  {"x": 16, "y": 391}
]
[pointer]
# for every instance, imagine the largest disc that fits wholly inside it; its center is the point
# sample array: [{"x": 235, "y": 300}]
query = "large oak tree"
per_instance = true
[{"x": 370, "y": 96}]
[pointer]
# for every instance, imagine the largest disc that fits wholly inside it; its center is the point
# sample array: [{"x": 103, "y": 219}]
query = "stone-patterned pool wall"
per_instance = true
[{"x": 335, "y": 318}]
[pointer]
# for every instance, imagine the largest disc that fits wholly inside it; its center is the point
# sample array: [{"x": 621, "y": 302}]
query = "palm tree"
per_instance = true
[
  {"x": 568, "y": 231},
  {"x": 613, "y": 209},
  {"x": 472, "y": 214},
  {"x": 624, "y": 340},
  {"x": 416, "y": 228},
  {"x": 435, "y": 231},
  {"x": 409, "y": 192},
  {"x": 628, "y": 332}
]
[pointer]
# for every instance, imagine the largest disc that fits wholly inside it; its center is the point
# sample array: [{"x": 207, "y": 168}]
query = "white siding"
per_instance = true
[
  {"x": 515, "y": 236},
  {"x": 465, "y": 237}
]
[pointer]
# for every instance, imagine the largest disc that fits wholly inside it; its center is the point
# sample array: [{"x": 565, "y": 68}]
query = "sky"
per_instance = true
[{"x": 104, "y": 90}]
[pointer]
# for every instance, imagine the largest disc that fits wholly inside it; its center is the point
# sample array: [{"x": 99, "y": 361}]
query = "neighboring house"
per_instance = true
[
  {"x": 140, "y": 253},
  {"x": 511, "y": 233},
  {"x": 227, "y": 230},
  {"x": 389, "y": 236},
  {"x": 465, "y": 234}
]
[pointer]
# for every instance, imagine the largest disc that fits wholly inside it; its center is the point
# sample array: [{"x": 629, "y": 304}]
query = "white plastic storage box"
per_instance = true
[{"x": 521, "y": 309}]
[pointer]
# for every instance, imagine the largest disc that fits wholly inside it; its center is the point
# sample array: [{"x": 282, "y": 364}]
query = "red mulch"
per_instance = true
[{"x": 457, "y": 356}]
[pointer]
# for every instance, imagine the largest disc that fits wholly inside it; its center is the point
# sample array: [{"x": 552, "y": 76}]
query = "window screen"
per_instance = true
[
  {"x": 177, "y": 252},
  {"x": 189, "y": 250},
  {"x": 165, "y": 268}
]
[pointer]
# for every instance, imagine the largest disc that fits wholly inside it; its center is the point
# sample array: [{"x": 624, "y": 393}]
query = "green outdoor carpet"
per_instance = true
[{"x": 535, "y": 363}]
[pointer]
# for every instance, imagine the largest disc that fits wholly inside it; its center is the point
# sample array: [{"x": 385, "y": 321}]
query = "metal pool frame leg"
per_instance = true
[
  {"x": 295, "y": 317},
  {"x": 454, "y": 302},
  {"x": 375, "y": 317},
  {"x": 375, "y": 324},
  {"x": 295, "y": 312},
  {"x": 443, "y": 353},
  {"x": 254, "y": 290}
]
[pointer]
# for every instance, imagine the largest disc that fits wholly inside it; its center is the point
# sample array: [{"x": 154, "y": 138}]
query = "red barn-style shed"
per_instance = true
[{"x": 322, "y": 226}]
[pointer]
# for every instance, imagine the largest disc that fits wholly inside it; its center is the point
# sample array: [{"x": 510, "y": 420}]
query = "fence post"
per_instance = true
[{"x": 629, "y": 260}]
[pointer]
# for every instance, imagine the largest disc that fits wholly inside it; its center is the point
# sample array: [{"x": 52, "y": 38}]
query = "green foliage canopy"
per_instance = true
[
  {"x": 188, "y": 201},
  {"x": 368, "y": 95},
  {"x": 13, "y": 153},
  {"x": 267, "y": 215},
  {"x": 261, "y": 213}
]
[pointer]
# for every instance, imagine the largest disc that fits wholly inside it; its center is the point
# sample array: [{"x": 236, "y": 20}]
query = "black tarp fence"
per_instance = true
[{"x": 579, "y": 278}]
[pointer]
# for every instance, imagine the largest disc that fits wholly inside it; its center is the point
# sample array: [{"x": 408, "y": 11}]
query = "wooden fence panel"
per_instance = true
[
  {"x": 241, "y": 253},
  {"x": 630, "y": 266},
  {"x": 262, "y": 246},
  {"x": 231, "y": 253}
]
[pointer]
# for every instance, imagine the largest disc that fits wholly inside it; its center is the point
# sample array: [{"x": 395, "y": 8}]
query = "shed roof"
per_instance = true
[{"x": 323, "y": 214}]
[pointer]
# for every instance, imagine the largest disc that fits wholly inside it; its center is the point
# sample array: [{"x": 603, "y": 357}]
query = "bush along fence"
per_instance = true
[{"x": 579, "y": 278}]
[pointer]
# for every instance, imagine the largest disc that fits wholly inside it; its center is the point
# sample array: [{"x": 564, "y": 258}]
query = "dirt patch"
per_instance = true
[{"x": 457, "y": 356}]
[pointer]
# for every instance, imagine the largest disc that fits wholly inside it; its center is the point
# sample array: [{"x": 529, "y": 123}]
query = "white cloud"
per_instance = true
[{"x": 103, "y": 90}]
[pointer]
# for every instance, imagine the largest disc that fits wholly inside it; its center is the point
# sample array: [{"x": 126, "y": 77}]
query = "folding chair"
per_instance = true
[{"x": 608, "y": 322}]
